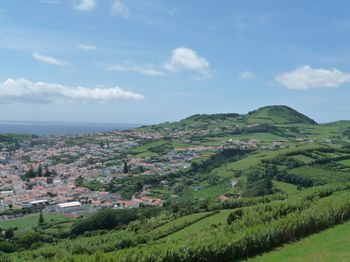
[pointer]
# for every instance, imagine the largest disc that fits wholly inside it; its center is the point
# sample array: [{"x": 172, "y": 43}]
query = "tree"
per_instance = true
[
  {"x": 259, "y": 182},
  {"x": 30, "y": 173},
  {"x": 103, "y": 219},
  {"x": 47, "y": 171},
  {"x": 29, "y": 238},
  {"x": 9, "y": 233},
  {"x": 40, "y": 171},
  {"x": 41, "y": 219},
  {"x": 126, "y": 168}
]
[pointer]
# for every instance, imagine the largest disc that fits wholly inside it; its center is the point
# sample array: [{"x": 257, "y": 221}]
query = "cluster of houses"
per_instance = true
[
  {"x": 4, "y": 157},
  {"x": 137, "y": 202}
]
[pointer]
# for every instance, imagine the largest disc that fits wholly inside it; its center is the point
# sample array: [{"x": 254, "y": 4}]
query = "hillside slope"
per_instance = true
[
  {"x": 278, "y": 115},
  {"x": 329, "y": 245}
]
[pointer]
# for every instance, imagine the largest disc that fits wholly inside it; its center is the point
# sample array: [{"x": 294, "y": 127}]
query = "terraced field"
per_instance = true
[
  {"x": 200, "y": 226},
  {"x": 179, "y": 224},
  {"x": 330, "y": 245}
]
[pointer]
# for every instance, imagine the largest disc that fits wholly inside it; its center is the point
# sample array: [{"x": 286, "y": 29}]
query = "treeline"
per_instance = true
[
  {"x": 29, "y": 240},
  {"x": 218, "y": 159},
  {"x": 110, "y": 219},
  {"x": 128, "y": 186}
]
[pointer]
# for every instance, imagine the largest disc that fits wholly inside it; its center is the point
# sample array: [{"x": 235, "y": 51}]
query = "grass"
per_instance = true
[
  {"x": 302, "y": 158},
  {"x": 145, "y": 154},
  {"x": 212, "y": 191},
  {"x": 290, "y": 189},
  {"x": 147, "y": 146},
  {"x": 201, "y": 225},
  {"x": 178, "y": 223},
  {"x": 330, "y": 245},
  {"x": 31, "y": 221},
  {"x": 254, "y": 159},
  {"x": 320, "y": 175},
  {"x": 345, "y": 162},
  {"x": 153, "y": 149}
]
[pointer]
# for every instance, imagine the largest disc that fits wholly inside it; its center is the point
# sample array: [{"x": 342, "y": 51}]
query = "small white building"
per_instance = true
[
  {"x": 7, "y": 193},
  {"x": 68, "y": 207}
]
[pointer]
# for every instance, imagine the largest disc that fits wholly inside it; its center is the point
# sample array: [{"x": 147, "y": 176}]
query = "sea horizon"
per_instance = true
[{"x": 59, "y": 127}]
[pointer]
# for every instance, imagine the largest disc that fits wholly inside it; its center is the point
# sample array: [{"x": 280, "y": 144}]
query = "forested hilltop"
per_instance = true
[{"x": 232, "y": 186}]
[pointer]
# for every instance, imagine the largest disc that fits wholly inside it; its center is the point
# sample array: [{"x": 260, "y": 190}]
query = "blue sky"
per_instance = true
[{"x": 148, "y": 61}]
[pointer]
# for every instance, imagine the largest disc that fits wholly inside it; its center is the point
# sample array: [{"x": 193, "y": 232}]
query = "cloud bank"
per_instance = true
[
  {"x": 306, "y": 77},
  {"x": 25, "y": 91},
  {"x": 48, "y": 59}
]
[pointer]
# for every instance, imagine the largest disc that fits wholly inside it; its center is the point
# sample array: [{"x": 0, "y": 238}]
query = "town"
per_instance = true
[{"x": 79, "y": 174}]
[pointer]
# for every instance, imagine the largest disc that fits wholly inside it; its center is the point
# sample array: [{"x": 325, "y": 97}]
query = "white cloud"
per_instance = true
[
  {"x": 183, "y": 58},
  {"x": 120, "y": 9},
  {"x": 306, "y": 77},
  {"x": 25, "y": 91},
  {"x": 48, "y": 59},
  {"x": 87, "y": 47},
  {"x": 246, "y": 74},
  {"x": 149, "y": 70},
  {"x": 85, "y": 5}
]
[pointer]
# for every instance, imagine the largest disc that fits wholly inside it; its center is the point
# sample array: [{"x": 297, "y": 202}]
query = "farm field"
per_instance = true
[
  {"x": 32, "y": 221},
  {"x": 330, "y": 245},
  {"x": 179, "y": 223},
  {"x": 213, "y": 191},
  {"x": 320, "y": 175},
  {"x": 345, "y": 162},
  {"x": 200, "y": 226},
  {"x": 286, "y": 187}
]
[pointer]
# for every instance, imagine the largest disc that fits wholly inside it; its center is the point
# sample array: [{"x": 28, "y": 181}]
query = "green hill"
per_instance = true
[
  {"x": 278, "y": 115},
  {"x": 211, "y": 117},
  {"x": 275, "y": 114}
]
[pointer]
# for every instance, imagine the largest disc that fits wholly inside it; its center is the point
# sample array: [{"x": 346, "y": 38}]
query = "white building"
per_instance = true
[{"x": 68, "y": 207}]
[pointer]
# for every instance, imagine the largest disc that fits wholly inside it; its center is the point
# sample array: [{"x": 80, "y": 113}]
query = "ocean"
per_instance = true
[{"x": 59, "y": 128}]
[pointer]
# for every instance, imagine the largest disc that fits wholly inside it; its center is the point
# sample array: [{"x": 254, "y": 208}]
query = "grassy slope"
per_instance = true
[
  {"x": 290, "y": 189},
  {"x": 228, "y": 170},
  {"x": 320, "y": 175},
  {"x": 278, "y": 114},
  {"x": 26, "y": 223},
  {"x": 179, "y": 222},
  {"x": 254, "y": 159},
  {"x": 201, "y": 225},
  {"x": 330, "y": 245},
  {"x": 345, "y": 162},
  {"x": 32, "y": 221}
]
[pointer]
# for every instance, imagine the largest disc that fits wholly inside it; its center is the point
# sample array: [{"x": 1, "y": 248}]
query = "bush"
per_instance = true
[
  {"x": 103, "y": 219},
  {"x": 7, "y": 247}
]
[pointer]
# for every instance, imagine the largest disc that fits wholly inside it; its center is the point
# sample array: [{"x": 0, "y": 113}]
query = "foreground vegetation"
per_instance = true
[
  {"x": 330, "y": 245},
  {"x": 250, "y": 228}
]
